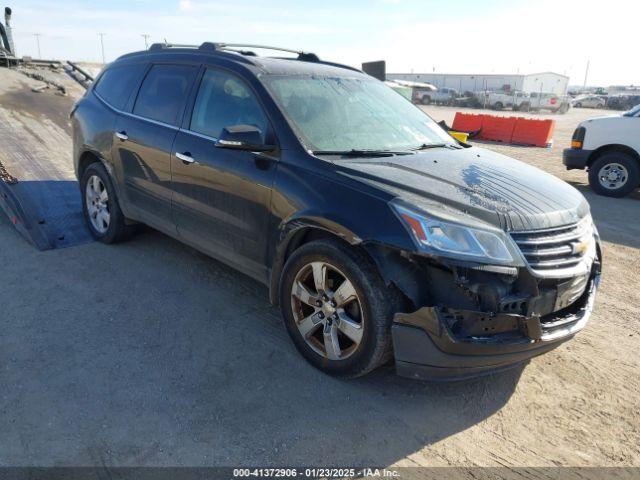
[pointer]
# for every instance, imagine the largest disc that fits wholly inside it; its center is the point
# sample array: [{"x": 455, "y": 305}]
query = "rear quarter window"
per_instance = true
[{"x": 117, "y": 83}]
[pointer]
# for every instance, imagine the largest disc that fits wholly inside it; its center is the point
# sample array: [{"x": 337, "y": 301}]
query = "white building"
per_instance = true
[
  {"x": 624, "y": 90},
  {"x": 545, "y": 82}
]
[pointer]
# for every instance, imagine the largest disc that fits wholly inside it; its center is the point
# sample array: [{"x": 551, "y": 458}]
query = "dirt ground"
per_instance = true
[{"x": 148, "y": 353}]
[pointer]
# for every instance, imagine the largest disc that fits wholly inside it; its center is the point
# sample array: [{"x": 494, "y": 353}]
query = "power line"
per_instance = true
[{"x": 101, "y": 35}]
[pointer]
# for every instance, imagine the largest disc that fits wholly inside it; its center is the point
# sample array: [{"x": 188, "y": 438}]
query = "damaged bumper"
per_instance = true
[{"x": 438, "y": 343}]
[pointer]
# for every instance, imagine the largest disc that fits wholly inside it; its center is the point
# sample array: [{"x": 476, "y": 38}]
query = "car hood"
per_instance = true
[
  {"x": 475, "y": 183},
  {"x": 601, "y": 118}
]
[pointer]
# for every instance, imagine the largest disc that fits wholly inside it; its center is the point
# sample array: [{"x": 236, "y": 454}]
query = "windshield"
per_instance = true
[
  {"x": 633, "y": 112},
  {"x": 342, "y": 114}
]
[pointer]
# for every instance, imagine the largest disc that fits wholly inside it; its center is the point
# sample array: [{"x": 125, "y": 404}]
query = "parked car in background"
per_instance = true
[
  {"x": 377, "y": 234},
  {"x": 441, "y": 96},
  {"x": 550, "y": 101},
  {"x": 516, "y": 100},
  {"x": 622, "y": 102},
  {"x": 589, "y": 101},
  {"x": 609, "y": 148}
]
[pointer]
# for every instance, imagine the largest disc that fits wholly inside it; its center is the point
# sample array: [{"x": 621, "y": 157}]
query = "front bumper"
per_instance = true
[
  {"x": 574, "y": 158},
  {"x": 426, "y": 348}
]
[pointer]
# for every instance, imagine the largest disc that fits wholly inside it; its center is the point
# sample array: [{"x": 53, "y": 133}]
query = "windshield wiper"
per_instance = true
[
  {"x": 362, "y": 153},
  {"x": 426, "y": 146}
]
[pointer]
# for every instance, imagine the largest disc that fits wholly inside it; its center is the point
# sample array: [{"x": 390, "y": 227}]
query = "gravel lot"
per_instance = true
[{"x": 149, "y": 353}]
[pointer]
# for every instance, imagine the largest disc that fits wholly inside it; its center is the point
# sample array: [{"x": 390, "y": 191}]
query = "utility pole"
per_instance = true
[
  {"x": 101, "y": 35},
  {"x": 37, "y": 35},
  {"x": 586, "y": 74},
  {"x": 146, "y": 40}
]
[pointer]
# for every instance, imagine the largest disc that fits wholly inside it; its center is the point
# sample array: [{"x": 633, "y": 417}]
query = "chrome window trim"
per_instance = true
[
  {"x": 156, "y": 122},
  {"x": 133, "y": 115},
  {"x": 197, "y": 134}
]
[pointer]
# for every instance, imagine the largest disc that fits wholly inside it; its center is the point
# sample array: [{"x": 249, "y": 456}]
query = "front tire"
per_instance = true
[
  {"x": 337, "y": 309},
  {"x": 614, "y": 174},
  {"x": 100, "y": 205}
]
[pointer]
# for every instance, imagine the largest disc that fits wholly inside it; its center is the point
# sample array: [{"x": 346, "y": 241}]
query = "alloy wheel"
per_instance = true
[
  {"x": 327, "y": 310},
  {"x": 97, "y": 203}
]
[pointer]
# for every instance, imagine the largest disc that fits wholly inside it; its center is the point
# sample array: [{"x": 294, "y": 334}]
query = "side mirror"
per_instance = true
[{"x": 243, "y": 137}]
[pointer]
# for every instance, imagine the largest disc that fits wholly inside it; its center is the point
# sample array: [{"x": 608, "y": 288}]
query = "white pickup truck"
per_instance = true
[
  {"x": 609, "y": 148},
  {"x": 499, "y": 100},
  {"x": 550, "y": 101},
  {"x": 442, "y": 96}
]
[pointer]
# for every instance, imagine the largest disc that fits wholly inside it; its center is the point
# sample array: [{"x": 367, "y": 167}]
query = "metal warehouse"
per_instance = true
[{"x": 545, "y": 82}]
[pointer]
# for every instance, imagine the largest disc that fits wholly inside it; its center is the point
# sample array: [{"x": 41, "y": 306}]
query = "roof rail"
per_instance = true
[
  {"x": 239, "y": 48},
  {"x": 232, "y": 47},
  {"x": 305, "y": 56},
  {"x": 162, "y": 46}
]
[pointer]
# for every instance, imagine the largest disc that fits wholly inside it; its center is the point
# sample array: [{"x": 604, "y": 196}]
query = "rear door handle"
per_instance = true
[
  {"x": 122, "y": 135},
  {"x": 185, "y": 157}
]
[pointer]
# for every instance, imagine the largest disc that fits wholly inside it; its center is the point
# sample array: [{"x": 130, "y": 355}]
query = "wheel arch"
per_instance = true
[
  {"x": 599, "y": 152},
  {"x": 89, "y": 157},
  {"x": 297, "y": 233},
  {"x": 85, "y": 159},
  {"x": 393, "y": 267}
]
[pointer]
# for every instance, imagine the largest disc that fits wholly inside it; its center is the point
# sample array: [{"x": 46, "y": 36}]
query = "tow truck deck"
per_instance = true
[{"x": 38, "y": 189}]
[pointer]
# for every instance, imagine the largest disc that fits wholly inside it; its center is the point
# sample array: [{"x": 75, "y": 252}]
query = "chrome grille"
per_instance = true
[{"x": 557, "y": 248}]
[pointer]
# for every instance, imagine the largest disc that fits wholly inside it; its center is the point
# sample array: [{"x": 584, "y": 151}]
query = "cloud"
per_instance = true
[
  {"x": 185, "y": 5},
  {"x": 547, "y": 35}
]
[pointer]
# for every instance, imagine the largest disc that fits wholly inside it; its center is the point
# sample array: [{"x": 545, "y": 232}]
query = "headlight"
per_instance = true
[{"x": 449, "y": 239}]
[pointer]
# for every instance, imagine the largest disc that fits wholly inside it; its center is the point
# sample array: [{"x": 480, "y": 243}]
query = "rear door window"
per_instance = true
[
  {"x": 163, "y": 92},
  {"x": 223, "y": 101},
  {"x": 117, "y": 83}
]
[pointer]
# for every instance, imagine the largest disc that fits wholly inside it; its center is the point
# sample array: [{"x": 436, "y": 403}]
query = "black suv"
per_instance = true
[{"x": 378, "y": 234}]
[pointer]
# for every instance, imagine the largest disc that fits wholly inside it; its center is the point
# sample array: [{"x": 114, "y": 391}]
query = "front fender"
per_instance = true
[
  {"x": 297, "y": 230},
  {"x": 292, "y": 232},
  {"x": 316, "y": 198}
]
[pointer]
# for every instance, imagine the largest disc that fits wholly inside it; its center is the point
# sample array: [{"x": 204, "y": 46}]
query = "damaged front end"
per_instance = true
[{"x": 469, "y": 319}]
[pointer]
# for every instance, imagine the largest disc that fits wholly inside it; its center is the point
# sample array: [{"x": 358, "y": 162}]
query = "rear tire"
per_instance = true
[
  {"x": 100, "y": 206},
  {"x": 426, "y": 100},
  {"x": 498, "y": 106},
  {"x": 369, "y": 312},
  {"x": 614, "y": 174}
]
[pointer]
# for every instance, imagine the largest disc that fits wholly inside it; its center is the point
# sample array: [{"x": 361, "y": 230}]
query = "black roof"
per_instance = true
[{"x": 305, "y": 63}]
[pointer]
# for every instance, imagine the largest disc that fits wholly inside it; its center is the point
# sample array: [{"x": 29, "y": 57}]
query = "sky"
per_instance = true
[{"x": 454, "y": 36}]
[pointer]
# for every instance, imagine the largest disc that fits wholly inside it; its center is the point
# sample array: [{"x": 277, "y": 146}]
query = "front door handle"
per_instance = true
[
  {"x": 185, "y": 157},
  {"x": 122, "y": 135}
]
